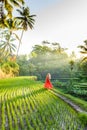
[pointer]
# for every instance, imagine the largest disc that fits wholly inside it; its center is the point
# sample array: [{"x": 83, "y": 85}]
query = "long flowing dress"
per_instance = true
[{"x": 48, "y": 83}]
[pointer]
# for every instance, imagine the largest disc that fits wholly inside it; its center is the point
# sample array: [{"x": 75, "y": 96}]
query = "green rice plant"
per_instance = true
[
  {"x": 28, "y": 105},
  {"x": 14, "y": 116},
  {"x": 27, "y": 122},
  {"x": 33, "y": 120},
  {"x": 9, "y": 116},
  {"x": 32, "y": 104},
  {"x": 20, "y": 106},
  {"x": 3, "y": 116},
  {"x": 18, "y": 114},
  {"x": 21, "y": 121}
]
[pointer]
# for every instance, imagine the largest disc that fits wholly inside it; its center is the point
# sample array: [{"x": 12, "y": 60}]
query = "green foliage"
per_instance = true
[
  {"x": 59, "y": 84},
  {"x": 51, "y": 57},
  {"x": 71, "y": 64},
  {"x": 80, "y": 90},
  {"x": 6, "y": 68},
  {"x": 7, "y": 7},
  {"x": 83, "y": 66},
  {"x": 6, "y": 44},
  {"x": 83, "y": 50},
  {"x": 81, "y": 71},
  {"x": 83, "y": 118},
  {"x": 23, "y": 65},
  {"x": 73, "y": 86},
  {"x": 48, "y": 58},
  {"x": 10, "y": 68}
]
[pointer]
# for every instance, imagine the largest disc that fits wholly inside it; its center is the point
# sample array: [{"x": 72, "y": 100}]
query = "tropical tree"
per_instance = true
[
  {"x": 41, "y": 49},
  {"x": 8, "y": 36},
  {"x": 8, "y": 5},
  {"x": 44, "y": 60},
  {"x": 12, "y": 24},
  {"x": 26, "y": 21},
  {"x": 6, "y": 44},
  {"x": 11, "y": 68},
  {"x": 83, "y": 49},
  {"x": 71, "y": 64},
  {"x": 57, "y": 48}
]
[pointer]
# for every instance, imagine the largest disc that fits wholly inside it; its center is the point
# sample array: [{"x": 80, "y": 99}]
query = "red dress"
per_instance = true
[{"x": 48, "y": 83}]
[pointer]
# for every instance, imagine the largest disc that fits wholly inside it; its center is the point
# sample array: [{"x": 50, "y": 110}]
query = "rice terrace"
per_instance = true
[
  {"x": 26, "y": 105},
  {"x": 43, "y": 65}
]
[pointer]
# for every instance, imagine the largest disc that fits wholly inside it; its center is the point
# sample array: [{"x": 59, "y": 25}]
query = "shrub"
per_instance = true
[
  {"x": 10, "y": 68},
  {"x": 83, "y": 118}
]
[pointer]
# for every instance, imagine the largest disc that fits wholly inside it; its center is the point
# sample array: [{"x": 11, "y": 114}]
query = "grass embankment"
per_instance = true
[
  {"x": 26, "y": 105},
  {"x": 81, "y": 103}
]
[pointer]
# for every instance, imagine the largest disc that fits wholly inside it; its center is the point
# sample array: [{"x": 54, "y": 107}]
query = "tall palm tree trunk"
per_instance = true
[
  {"x": 1, "y": 10},
  {"x": 20, "y": 42}
]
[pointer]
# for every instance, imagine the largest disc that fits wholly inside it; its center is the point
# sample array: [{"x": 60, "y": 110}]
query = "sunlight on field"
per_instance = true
[{"x": 25, "y": 104}]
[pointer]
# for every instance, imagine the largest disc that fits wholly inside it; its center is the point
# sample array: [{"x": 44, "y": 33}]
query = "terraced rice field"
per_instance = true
[
  {"x": 26, "y": 105},
  {"x": 80, "y": 89}
]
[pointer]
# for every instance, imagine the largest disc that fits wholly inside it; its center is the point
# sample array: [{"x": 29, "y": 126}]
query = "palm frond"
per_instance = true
[
  {"x": 15, "y": 3},
  {"x": 84, "y": 59},
  {"x": 13, "y": 39},
  {"x": 85, "y": 42},
  {"x": 21, "y": 1},
  {"x": 19, "y": 18},
  {"x": 83, "y": 47},
  {"x": 83, "y": 52},
  {"x": 17, "y": 37},
  {"x": 30, "y": 25},
  {"x": 9, "y": 8},
  {"x": 32, "y": 16},
  {"x": 20, "y": 12}
]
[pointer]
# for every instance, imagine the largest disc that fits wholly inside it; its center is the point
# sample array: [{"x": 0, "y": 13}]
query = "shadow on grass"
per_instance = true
[{"x": 24, "y": 95}]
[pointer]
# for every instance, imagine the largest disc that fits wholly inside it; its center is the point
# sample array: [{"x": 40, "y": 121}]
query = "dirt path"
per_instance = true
[{"x": 74, "y": 106}]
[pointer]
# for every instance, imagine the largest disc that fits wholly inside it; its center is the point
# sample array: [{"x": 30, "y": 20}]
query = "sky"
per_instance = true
[{"x": 62, "y": 21}]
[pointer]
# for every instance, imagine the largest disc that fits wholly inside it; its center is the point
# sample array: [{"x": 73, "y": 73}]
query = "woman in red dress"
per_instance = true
[{"x": 48, "y": 83}]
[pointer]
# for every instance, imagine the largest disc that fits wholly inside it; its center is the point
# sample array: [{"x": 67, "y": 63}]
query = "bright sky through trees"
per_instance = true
[{"x": 62, "y": 21}]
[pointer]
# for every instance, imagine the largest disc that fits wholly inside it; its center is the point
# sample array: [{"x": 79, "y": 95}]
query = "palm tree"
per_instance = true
[
  {"x": 6, "y": 9},
  {"x": 8, "y": 36},
  {"x": 8, "y": 5},
  {"x": 71, "y": 64},
  {"x": 84, "y": 49},
  {"x": 26, "y": 21},
  {"x": 12, "y": 25},
  {"x": 1, "y": 10},
  {"x": 6, "y": 44},
  {"x": 57, "y": 48}
]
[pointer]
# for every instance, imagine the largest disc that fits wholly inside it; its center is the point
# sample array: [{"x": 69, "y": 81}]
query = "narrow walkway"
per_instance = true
[{"x": 74, "y": 106}]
